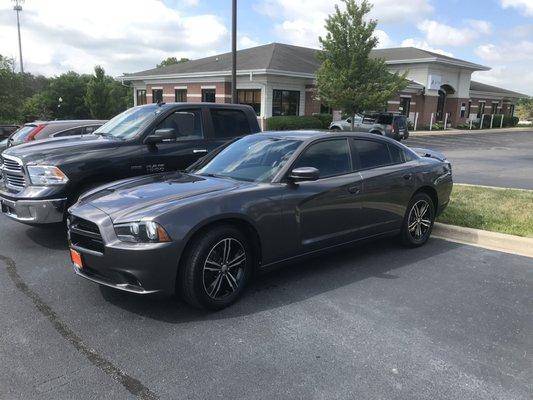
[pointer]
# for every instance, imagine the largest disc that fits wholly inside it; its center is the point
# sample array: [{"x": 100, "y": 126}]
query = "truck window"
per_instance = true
[
  {"x": 229, "y": 123},
  {"x": 185, "y": 127}
]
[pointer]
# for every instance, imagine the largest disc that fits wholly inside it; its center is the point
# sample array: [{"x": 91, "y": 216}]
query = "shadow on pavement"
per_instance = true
[
  {"x": 49, "y": 236},
  {"x": 291, "y": 283}
]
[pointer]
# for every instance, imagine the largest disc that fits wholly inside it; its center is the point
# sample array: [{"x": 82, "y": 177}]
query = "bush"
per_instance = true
[
  {"x": 293, "y": 122},
  {"x": 510, "y": 121},
  {"x": 325, "y": 119}
]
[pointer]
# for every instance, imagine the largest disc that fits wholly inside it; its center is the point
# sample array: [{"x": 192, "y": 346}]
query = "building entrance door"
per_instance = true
[{"x": 440, "y": 105}]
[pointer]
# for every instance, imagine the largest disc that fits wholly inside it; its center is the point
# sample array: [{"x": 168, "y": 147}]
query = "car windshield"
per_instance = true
[
  {"x": 128, "y": 124},
  {"x": 254, "y": 158},
  {"x": 21, "y": 135}
]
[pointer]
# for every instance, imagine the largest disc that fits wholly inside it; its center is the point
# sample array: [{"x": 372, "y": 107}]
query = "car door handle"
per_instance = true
[
  {"x": 408, "y": 177},
  {"x": 354, "y": 189},
  {"x": 196, "y": 151}
]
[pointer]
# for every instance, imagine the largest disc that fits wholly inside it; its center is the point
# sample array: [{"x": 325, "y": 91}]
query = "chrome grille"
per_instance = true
[
  {"x": 11, "y": 165},
  {"x": 13, "y": 173},
  {"x": 14, "y": 180}
]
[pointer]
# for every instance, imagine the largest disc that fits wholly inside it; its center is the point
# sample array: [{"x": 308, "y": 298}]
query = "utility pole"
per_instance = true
[
  {"x": 234, "y": 51},
  {"x": 18, "y": 9}
]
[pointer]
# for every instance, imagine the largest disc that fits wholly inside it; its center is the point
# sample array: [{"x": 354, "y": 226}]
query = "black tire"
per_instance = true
[
  {"x": 206, "y": 262},
  {"x": 416, "y": 228},
  {"x": 335, "y": 128}
]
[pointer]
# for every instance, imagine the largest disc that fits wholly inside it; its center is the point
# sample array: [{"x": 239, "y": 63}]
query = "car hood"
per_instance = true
[
  {"x": 51, "y": 150},
  {"x": 133, "y": 199}
]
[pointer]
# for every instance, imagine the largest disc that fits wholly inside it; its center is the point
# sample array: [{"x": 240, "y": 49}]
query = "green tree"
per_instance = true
[
  {"x": 97, "y": 94},
  {"x": 105, "y": 96},
  {"x": 349, "y": 79},
  {"x": 171, "y": 61},
  {"x": 71, "y": 88},
  {"x": 524, "y": 109},
  {"x": 11, "y": 90}
]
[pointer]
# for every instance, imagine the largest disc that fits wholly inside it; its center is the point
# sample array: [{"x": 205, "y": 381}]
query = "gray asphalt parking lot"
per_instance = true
[
  {"x": 494, "y": 159},
  {"x": 445, "y": 321}
]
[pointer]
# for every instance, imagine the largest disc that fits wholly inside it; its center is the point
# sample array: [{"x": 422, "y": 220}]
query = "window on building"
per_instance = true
[
  {"x": 141, "y": 97},
  {"x": 208, "y": 95},
  {"x": 463, "y": 110},
  {"x": 157, "y": 95},
  {"x": 180, "y": 95},
  {"x": 481, "y": 109},
  {"x": 331, "y": 157},
  {"x": 405, "y": 106},
  {"x": 511, "y": 110},
  {"x": 250, "y": 97},
  {"x": 285, "y": 102},
  {"x": 229, "y": 123},
  {"x": 494, "y": 109}
]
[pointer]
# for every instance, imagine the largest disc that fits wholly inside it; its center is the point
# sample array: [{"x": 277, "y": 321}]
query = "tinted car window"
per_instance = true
[
  {"x": 372, "y": 154},
  {"x": 186, "y": 123},
  {"x": 384, "y": 119},
  {"x": 229, "y": 123},
  {"x": 396, "y": 154},
  {"x": 331, "y": 157},
  {"x": 70, "y": 132},
  {"x": 400, "y": 122}
]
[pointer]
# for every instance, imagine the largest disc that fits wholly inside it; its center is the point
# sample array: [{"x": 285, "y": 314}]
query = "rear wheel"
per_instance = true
[
  {"x": 418, "y": 221},
  {"x": 217, "y": 268}
]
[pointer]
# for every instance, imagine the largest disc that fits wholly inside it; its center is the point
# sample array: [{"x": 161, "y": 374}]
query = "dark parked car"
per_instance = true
[
  {"x": 259, "y": 201},
  {"x": 41, "y": 179},
  {"x": 391, "y": 125},
  {"x": 51, "y": 129}
]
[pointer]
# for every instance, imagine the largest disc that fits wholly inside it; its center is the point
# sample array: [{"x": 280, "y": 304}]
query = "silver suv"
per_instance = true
[{"x": 385, "y": 124}]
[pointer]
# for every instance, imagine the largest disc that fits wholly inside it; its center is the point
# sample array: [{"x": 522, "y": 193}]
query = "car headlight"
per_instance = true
[
  {"x": 44, "y": 175},
  {"x": 142, "y": 232}
]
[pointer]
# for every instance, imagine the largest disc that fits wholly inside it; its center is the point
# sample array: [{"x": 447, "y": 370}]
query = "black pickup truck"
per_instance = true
[{"x": 41, "y": 179}]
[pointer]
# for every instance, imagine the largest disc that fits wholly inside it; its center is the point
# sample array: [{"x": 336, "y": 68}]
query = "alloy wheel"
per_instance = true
[
  {"x": 419, "y": 221},
  {"x": 223, "y": 270}
]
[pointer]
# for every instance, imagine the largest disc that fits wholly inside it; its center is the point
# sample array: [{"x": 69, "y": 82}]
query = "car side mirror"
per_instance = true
[
  {"x": 161, "y": 135},
  {"x": 302, "y": 174}
]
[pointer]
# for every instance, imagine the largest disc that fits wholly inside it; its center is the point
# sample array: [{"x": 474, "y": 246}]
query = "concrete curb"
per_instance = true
[
  {"x": 467, "y": 131},
  {"x": 489, "y": 240}
]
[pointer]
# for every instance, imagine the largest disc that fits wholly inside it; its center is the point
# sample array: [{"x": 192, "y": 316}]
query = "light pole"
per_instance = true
[
  {"x": 18, "y": 9},
  {"x": 234, "y": 51}
]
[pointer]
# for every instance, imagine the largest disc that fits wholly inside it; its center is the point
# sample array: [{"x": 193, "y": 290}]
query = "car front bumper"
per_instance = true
[
  {"x": 141, "y": 268},
  {"x": 48, "y": 211}
]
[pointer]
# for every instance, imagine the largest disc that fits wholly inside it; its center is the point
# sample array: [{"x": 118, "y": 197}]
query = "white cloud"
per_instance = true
[
  {"x": 300, "y": 22},
  {"x": 526, "y": 6},
  {"x": 422, "y": 44},
  {"x": 384, "y": 39},
  {"x": 439, "y": 34},
  {"x": 246, "y": 42},
  {"x": 58, "y": 35},
  {"x": 510, "y": 62}
]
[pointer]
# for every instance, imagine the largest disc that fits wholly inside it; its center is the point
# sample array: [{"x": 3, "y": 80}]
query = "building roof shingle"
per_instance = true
[
  {"x": 288, "y": 58},
  {"x": 483, "y": 87}
]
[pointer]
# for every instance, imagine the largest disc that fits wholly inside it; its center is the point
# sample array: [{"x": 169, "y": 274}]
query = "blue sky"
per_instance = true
[{"x": 132, "y": 35}]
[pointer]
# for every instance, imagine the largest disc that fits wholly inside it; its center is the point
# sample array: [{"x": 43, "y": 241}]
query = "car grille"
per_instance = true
[
  {"x": 13, "y": 173},
  {"x": 85, "y": 234}
]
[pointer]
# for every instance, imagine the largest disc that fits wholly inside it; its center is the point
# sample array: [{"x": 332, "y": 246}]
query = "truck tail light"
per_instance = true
[{"x": 34, "y": 133}]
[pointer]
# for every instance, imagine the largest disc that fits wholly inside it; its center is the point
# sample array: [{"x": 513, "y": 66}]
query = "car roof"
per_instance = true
[
  {"x": 310, "y": 134},
  {"x": 68, "y": 121}
]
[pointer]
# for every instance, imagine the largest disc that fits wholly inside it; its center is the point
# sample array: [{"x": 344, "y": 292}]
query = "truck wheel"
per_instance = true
[{"x": 216, "y": 269}]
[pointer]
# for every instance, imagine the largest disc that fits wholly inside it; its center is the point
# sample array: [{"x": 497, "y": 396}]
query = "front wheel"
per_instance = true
[
  {"x": 418, "y": 221},
  {"x": 217, "y": 268}
]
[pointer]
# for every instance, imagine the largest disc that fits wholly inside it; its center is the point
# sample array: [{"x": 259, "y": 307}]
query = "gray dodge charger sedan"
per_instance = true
[{"x": 256, "y": 202}]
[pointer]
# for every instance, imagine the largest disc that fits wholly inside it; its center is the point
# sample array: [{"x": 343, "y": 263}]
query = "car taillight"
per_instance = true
[{"x": 34, "y": 133}]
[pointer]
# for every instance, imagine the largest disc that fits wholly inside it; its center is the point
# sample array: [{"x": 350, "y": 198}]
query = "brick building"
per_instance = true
[{"x": 279, "y": 79}]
